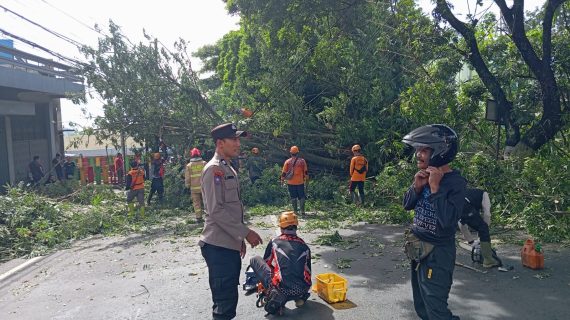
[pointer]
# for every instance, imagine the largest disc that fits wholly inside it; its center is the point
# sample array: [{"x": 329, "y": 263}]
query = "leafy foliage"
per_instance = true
[
  {"x": 149, "y": 92},
  {"x": 267, "y": 189},
  {"x": 31, "y": 224},
  {"x": 175, "y": 193},
  {"x": 532, "y": 193}
]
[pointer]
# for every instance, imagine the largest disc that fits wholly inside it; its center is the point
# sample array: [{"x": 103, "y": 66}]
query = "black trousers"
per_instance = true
[
  {"x": 360, "y": 186},
  {"x": 224, "y": 266},
  {"x": 475, "y": 221},
  {"x": 432, "y": 281},
  {"x": 262, "y": 270},
  {"x": 296, "y": 191},
  {"x": 156, "y": 186},
  {"x": 263, "y": 274}
]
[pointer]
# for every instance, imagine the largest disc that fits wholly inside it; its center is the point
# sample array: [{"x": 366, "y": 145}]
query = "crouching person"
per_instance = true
[{"x": 285, "y": 269}]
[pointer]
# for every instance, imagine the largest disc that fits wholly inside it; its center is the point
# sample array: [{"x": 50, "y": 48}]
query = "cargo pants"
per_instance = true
[
  {"x": 224, "y": 266},
  {"x": 431, "y": 283}
]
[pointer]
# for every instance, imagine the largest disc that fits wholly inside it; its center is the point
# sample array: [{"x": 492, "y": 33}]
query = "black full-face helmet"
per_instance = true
[{"x": 443, "y": 141}]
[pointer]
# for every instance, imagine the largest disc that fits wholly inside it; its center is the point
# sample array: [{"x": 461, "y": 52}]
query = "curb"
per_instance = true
[{"x": 19, "y": 268}]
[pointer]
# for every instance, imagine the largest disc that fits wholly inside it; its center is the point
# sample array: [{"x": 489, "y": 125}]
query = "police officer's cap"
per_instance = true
[{"x": 227, "y": 130}]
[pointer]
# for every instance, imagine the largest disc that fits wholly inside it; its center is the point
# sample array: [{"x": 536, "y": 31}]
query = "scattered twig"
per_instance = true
[
  {"x": 142, "y": 292},
  {"x": 468, "y": 267}
]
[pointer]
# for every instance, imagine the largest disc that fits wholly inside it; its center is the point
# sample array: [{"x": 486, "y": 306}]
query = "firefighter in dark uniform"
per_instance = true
[
  {"x": 436, "y": 195},
  {"x": 223, "y": 238}
]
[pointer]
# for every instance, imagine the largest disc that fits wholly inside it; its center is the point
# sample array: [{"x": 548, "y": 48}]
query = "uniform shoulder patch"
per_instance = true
[{"x": 218, "y": 175}]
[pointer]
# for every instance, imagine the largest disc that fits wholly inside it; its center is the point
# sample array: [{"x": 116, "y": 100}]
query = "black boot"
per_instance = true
[
  {"x": 294, "y": 204},
  {"x": 353, "y": 197}
]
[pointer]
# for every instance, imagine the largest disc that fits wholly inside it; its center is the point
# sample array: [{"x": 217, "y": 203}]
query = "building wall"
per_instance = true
[
  {"x": 4, "y": 170},
  {"x": 30, "y": 137}
]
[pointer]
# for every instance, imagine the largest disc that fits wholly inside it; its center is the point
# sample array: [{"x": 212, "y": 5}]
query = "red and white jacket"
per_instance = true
[{"x": 289, "y": 259}]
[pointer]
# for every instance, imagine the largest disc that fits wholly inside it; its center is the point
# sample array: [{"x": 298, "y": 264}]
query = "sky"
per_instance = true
[{"x": 199, "y": 22}]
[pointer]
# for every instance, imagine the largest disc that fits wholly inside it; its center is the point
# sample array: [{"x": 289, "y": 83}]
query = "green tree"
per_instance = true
[
  {"x": 149, "y": 92},
  {"x": 324, "y": 75},
  {"x": 533, "y": 40}
]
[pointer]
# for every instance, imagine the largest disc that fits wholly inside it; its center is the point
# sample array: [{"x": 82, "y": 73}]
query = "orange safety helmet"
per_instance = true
[
  {"x": 355, "y": 147},
  {"x": 288, "y": 218},
  {"x": 246, "y": 112},
  {"x": 294, "y": 150},
  {"x": 255, "y": 151},
  {"x": 157, "y": 155},
  {"x": 195, "y": 152}
]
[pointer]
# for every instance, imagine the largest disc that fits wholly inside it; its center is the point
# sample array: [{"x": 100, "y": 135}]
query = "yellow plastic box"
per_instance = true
[{"x": 331, "y": 287}]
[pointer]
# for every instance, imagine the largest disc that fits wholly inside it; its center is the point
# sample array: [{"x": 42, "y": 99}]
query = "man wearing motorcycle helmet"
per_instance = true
[{"x": 436, "y": 195}]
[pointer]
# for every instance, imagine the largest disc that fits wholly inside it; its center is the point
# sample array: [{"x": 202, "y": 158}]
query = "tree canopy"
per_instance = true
[
  {"x": 534, "y": 54},
  {"x": 325, "y": 75},
  {"x": 149, "y": 92}
]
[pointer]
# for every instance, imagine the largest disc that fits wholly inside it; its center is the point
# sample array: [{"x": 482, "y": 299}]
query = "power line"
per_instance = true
[
  {"x": 73, "y": 18},
  {"x": 59, "y": 35},
  {"x": 35, "y": 45}
]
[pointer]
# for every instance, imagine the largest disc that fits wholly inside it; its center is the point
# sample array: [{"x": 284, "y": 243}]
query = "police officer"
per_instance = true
[
  {"x": 436, "y": 195},
  {"x": 224, "y": 235}
]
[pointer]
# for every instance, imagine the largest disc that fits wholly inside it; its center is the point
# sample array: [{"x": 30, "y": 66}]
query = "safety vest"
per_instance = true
[
  {"x": 137, "y": 181},
  {"x": 193, "y": 173},
  {"x": 358, "y": 163},
  {"x": 300, "y": 170}
]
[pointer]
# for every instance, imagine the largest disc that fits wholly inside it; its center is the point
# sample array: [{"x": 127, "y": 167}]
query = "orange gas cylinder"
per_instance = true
[{"x": 531, "y": 257}]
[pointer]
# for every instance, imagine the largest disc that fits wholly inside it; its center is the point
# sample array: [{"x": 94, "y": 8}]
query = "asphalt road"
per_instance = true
[{"x": 162, "y": 276}]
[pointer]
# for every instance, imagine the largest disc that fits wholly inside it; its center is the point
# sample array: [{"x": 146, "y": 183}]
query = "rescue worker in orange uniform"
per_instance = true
[
  {"x": 255, "y": 164},
  {"x": 296, "y": 173},
  {"x": 192, "y": 176},
  {"x": 135, "y": 187},
  {"x": 358, "y": 169}
]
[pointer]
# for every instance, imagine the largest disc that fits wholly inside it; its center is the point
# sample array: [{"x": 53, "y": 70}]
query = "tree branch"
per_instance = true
[
  {"x": 551, "y": 7},
  {"x": 521, "y": 40},
  {"x": 489, "y": 80}
]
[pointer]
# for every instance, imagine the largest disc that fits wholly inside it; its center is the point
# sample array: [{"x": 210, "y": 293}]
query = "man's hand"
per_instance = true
[
  {"x": 420, "y": 180},
  {"x": 253, "y": 238},
  {"x": 435, "y": 175},
  {"x": 243, "y": 249}
]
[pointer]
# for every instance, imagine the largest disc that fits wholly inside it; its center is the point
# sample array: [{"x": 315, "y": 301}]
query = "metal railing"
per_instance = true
[{"x": 16, "y": 59}]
